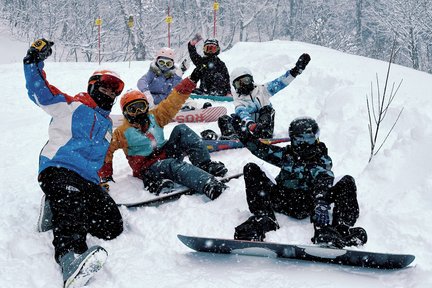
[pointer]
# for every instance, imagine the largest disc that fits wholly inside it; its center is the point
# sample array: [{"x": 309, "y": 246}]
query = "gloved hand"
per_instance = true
[
  {"x": 301, "y": 64},
  {"x": 196, "y": 39},
  {"x": 321, "y": 217},
  {"x": 184, "y": 65},
  {"x": 197, "y": 73},
  {"x": 104, "y": 183},
  {"x": 38, "y": 51}
]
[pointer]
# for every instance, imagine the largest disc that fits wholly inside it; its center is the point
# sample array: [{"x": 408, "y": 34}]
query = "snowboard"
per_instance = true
[
  {"x": 312, "y": 253},
  {"x": 173, "y": 195},
  {"x": 210, "y": 114},
  {"x": 218, "y": 145},
  {"x": 218, "y": 98}
]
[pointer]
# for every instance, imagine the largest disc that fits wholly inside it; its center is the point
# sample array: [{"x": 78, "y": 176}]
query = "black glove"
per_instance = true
[
  {"x": 104, "y": 183},
  {"x": 197, "y": 73},
  {"x": 38, "y": 51},
  {"x": 321, "y": 217},
  {"x": 183, "y": 65},
  {"x": 301, "y": 64}
]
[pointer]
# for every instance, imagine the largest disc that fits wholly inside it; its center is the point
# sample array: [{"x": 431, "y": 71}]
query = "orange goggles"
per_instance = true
[
  {"x": 137, "y": 107},
  {"x": 210, "y": 48}
]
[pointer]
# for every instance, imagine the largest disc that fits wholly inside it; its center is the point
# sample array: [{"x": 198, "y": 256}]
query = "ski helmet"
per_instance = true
[
  {"x": 211, "y": 47},
  {"x": 104, "y": 86},
  {"x": 304, "y": 135},
  {"x": 135, "y": 106},
  {"x": 242, "y": 80},
  {"x": 166, "y": 52}
]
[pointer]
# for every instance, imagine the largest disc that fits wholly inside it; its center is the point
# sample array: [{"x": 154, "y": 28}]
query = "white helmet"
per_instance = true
[
  {"x": 240, "y": 71},
  {"x": 165, "y": 52}
]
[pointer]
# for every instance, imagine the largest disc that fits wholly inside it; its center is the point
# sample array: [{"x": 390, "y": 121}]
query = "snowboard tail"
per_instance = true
[
  {"x": 357, "y": 258},
  {"x": 169, "y": 197}
]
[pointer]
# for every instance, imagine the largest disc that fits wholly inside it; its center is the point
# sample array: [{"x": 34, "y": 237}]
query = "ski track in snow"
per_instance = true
[{"x": 394, "y": 190}]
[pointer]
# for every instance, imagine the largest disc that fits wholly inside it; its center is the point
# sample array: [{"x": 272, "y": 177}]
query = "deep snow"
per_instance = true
[{"x": 393, "y": 190}]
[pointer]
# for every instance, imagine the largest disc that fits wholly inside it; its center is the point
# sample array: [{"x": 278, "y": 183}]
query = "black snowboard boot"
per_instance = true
[
  {"x": 355, "y": 236},
  {"x": 214, "y": 189},
  {"x": 156, "y": 184},
  {"x": 214, "y": 168},
  {"x": 328, "y": 237},
  {"x": 227, "y": 129},
  {"x": 255, "y": 227}
]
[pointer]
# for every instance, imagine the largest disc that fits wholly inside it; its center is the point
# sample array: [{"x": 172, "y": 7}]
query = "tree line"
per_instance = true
[{"x": 361, "y": 27}]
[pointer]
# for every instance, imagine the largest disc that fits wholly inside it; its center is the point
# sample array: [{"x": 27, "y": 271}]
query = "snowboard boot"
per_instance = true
[
  {"x": 328, "y": 237},
  {"x": 227, "y": 129},
  {"x": 45, "y": 216},
  {"x": 214, "y": 188},
  {"x": 355, "y": 236},
  {"x": 214, "y": 168},
  {"x": 160, "y": 186},
  {"x": 255, "y": 227},
  {"x": 77, "y": 269}
]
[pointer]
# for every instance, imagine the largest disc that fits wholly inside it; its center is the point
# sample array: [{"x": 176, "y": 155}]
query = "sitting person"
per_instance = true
[
  {"x": 215, "y": 80},
  {"x": 153, "y": 159},
  {"x": 303, "y": 188},
  {"x": 253, "y": 109},
  {"x": 162, "y": 76}
]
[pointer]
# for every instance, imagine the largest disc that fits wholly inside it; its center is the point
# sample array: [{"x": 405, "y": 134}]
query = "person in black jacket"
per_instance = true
[
  {"x": 216, "y": 81},
  {"x": 304, "y": 188}
]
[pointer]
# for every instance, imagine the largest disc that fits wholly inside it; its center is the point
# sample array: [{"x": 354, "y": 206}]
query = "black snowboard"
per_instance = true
[
  {"x": 299, "y": 252},
  {"x": 174, "y": 195}
]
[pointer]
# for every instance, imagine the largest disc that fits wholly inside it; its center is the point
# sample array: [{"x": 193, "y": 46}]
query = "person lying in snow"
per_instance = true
[
  {"x": 153, "y": 159},
  {"x": 74, "y": 204},
  {"x": 304, "y": 188},
  {"x": 253, "y": 109}
]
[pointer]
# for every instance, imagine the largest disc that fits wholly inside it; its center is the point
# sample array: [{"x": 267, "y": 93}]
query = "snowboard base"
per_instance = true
[{"x": 357, "y": 258}]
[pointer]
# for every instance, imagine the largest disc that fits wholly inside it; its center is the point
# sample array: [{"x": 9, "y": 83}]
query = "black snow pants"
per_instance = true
[{"x": 78, "y": 207}]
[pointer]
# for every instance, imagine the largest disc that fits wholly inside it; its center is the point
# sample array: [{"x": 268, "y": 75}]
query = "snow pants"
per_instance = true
[
  {"x": 78, "y": 207},
  {"x": 183, "y": 142},
  {"x": 265, "y": 198},
  {"x": 264, "y": 119}
]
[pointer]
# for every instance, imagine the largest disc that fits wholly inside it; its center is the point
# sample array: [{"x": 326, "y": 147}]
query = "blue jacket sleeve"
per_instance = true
[
  {"x": 279, "y": 83},
  {"x": 145, "y": 80}
]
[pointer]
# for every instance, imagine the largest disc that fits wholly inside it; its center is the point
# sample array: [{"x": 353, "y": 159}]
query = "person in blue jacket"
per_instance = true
[
  {"x": 253, "y": 109},
  {"x": 162, "y": 76},
  {"x": 79, "y": 135}
]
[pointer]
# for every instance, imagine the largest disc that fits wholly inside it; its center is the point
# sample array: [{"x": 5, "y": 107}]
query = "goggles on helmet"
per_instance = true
[
  {"x": 165, "y": 62},
  {"x": 242, "y": 81},
  {"x": 308, "y": 139},
  {"x": 210, "y": 48},
  {"x": 137, "y": 107},
  {"x": 108, "y": 84}
]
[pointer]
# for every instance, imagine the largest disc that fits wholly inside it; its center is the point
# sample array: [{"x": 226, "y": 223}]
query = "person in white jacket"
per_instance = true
[{"x": 253, "y": 109}]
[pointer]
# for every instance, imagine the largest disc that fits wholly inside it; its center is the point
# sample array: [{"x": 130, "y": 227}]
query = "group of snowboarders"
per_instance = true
[{"x": 76, "y": 168}]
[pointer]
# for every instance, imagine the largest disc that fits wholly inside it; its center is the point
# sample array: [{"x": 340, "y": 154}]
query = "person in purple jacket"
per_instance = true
[
  {"x": 162, "y": 76},
  {"x": 80, "y": 130}
]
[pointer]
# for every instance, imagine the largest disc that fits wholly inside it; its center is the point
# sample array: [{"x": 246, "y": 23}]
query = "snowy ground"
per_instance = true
[{"x": 394, "y": 189}]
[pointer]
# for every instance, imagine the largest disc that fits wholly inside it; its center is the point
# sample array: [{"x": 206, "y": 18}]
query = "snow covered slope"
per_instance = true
[{"x": 394, "y": 189}]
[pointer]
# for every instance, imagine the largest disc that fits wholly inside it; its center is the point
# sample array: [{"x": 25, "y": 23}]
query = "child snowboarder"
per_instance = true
[
  {"x": 215, "y": 80},
  {"x": 156, "y": 161},
  {"x": 162, "y": 76},
  {"x": 253, "y": 109},
  {"x": 303, "y": 188},
  {"x": 69, "y": 163}
]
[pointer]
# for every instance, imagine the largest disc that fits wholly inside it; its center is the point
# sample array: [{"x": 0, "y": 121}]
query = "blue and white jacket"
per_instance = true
[
  {"x": 246, "y": 106},
  {"x": 79, "y": 131}
]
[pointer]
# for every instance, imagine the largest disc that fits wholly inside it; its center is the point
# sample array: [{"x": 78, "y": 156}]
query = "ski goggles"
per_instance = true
[
  {"x": 210, "y": 48},
  {"x": 308, "y": 138},
  {"x": 243, "y": 81},
  {"x": 163, "y": 62},
  {"x": 137, "y": 107},
  {"x": 108, "y": 84}
]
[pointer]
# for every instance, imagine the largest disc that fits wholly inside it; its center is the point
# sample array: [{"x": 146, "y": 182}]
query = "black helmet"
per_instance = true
[
  {"x": 211, "y": 47},
  {"x": 304, "y": 135}
]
